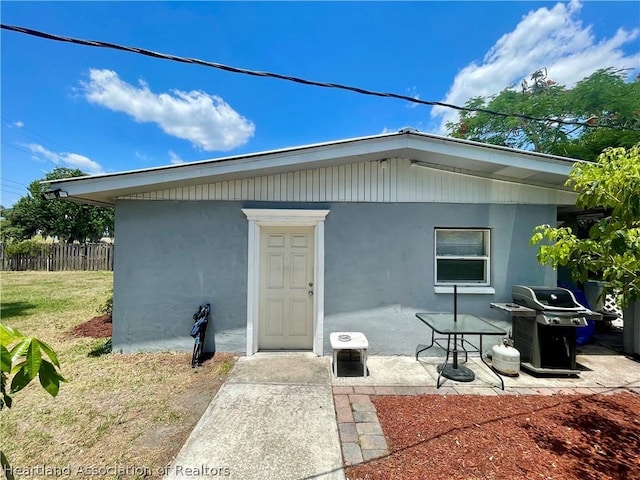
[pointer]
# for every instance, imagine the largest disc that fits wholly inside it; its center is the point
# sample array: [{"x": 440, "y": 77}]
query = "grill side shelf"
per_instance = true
[{"x": 514, "y": 309}]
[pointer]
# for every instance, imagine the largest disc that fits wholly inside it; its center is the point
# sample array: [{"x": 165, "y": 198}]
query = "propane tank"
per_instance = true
[{"x": 506, "y": 359}]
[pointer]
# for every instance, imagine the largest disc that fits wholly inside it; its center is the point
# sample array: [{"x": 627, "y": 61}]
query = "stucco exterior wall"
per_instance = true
[
  {"x": 380, "y": 266},
  {"x": 173, "y": 255},
  {"x": 170, "y": 257}
]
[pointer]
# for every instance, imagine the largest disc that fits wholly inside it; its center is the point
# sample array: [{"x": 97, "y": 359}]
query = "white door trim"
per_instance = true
[{"x": 284, "y": 217}]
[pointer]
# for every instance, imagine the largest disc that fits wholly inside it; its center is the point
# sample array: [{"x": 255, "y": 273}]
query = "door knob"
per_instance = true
[
  {"x": 311, "y": 284},
  {"x": 310, "y": 292}
]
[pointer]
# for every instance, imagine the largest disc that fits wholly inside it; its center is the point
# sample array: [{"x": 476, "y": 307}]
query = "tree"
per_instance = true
[
  {"x": 8, "y": 232},
  {"x": 612, "y": 249},
  {"x": 601, "y": 100},
  {"x": 68, "y": 221}
]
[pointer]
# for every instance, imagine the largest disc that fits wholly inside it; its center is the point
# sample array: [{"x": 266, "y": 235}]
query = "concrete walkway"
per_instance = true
[{"x": 274, "y": 418}]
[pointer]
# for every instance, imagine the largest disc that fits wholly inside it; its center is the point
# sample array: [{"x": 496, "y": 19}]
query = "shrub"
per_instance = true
[
  {"x": 30, "y": 248},
  {"x": 107, "y": 307}
]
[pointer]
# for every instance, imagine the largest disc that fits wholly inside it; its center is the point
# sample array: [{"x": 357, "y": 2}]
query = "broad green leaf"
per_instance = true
[
  {"x": 17, "y": 367},
  {"x": 50, "y": 378},
  {"x": 7, "y": 400},
  {"x": 20, "y": 380},
  {"x": 6, "y": 466},
  {"x": 5, "y": 359},
  {"x": 46, "y": 348},
  {"x": 20, "y": 349},
  {"x": 8, "y": 335},
  {"x": 33, "y": 359}
]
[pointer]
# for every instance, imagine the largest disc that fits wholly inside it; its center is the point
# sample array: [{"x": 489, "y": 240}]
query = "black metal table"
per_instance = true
[{"x": 455, "y": 327}]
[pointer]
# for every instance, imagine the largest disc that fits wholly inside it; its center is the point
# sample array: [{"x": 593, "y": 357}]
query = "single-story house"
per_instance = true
[{"x": 352, "y": 235}]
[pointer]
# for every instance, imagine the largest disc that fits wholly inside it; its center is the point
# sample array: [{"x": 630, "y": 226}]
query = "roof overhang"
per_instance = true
[{"x": 425, "y": 149}]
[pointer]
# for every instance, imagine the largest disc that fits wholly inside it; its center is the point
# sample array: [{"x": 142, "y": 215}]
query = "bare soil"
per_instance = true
[{"x": 563, "y": 437}]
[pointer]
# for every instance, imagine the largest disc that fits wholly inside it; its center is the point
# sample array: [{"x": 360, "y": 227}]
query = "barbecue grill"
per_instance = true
[{"x": 547, "y": 342}]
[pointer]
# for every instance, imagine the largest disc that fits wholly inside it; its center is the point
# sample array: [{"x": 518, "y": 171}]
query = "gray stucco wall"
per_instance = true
[
  {"x": 173, "y": 255},
  {"x": 170, "y": 257},
  {"x": 380, "y": 266}
]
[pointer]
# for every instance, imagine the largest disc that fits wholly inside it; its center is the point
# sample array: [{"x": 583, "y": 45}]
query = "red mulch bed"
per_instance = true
[
  {"x": 563, "y": 437},
  {"x": 97, "y": 327}
]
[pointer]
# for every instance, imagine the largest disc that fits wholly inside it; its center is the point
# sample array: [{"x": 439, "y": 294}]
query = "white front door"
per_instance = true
[{"x": 285, "y": 309}]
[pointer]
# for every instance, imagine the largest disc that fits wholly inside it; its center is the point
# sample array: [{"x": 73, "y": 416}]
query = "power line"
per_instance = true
[
  {"x": 11, "y": 191},
  {"x": 4, "y": 179},
  {"x": 17, "y": 148},
  {"x": 22, "y": 131},
  {"x": 256, "y": 73}
]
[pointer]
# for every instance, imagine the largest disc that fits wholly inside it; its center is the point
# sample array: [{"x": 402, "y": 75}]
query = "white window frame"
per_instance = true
[{"x": 467, "y": 287}]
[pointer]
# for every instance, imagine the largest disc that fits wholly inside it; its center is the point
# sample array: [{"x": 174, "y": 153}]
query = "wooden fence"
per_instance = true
[{"x": 62, "y": 256}]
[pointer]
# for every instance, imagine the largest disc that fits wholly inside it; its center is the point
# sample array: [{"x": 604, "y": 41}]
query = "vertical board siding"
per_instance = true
[{"x": 394, "y": 180}]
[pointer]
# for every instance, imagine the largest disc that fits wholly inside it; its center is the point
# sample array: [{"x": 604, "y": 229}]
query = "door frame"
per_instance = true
[{"x": 261, "y": 217}]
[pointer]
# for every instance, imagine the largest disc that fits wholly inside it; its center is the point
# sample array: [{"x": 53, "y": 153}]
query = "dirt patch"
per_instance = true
[
  {"x": 97, "y": 327},
  {"x": 568, "y": 437}
]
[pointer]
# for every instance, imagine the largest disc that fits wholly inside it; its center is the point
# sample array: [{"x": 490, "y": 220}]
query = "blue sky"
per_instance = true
[{"x": 105, "y": 111}]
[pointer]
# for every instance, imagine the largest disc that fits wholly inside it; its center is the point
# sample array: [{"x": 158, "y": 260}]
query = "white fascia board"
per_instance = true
[
  {"x": 509, "y": 150},
  {"x": 497, "y": 156},
  {"x": 243, "y": 166},
  {"x": 104, "y": 188}
]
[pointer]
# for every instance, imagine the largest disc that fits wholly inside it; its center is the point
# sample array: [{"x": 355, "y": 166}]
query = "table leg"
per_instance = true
[
  {"x": 442, "y": 366},
  {"x": 455, "y": 352},
  {"x": 466, "y": 354},
  {"x": 428, "y": 346}
]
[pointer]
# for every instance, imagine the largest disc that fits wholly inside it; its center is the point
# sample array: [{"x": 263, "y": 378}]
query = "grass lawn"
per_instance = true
[{"x": 117, "y": 416}]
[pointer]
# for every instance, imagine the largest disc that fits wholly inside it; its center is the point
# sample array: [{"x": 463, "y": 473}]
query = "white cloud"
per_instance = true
[
  {"x": 65, "y": 159},
  {"x": 554, "y": 38},
  {"x": 207, "y": 121},
  {"x": 18, "y": 124},
  {"x": 175, "y": 158}
]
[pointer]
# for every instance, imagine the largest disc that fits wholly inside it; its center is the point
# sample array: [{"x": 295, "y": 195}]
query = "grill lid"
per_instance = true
[{"x": 546, "y": 298}]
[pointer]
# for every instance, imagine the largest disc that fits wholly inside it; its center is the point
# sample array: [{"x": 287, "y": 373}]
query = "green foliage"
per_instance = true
[
  {"x": 103, "y": 348},
  {"x": 612, "y": 250},
  {"x": 603, "y": 99},
  {"x": 69, "y": 221},
  {"x": 26, "y": 358},
  {"x": 107, "y": 307},
  {"x": 26, "y": 247}
]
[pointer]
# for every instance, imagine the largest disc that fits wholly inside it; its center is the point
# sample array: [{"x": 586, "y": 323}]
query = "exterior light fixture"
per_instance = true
[{"x": 52, "y": 194}]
